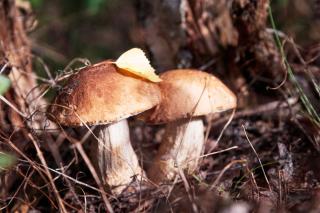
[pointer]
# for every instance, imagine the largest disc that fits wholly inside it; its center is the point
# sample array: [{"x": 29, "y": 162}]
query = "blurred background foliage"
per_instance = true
[
  {"x": 102, "y": 29},
  {"x": 92, "y": 29},
  {"x": 4, "y": 84},
  {"x": 6, "y": 160},
  {"x": 299, "y": 19}
]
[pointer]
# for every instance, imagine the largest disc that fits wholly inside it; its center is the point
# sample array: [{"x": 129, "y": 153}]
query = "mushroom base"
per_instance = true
[
  {"x": 181, "y": 148},
  {"x": 115, "y": 158}
]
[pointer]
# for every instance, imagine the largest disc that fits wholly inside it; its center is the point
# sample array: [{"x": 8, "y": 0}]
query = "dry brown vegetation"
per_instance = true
[{"x": 266, "y": 160}]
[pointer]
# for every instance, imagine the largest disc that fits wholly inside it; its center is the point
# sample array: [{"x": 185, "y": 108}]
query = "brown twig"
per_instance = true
[
  {"x": 260, "y": 110},
  {"x": 43, "y": 161},
  {"x": 83, "y": 154},
  {"x": 33, "y": 185},
  {"x": 213, "y": 153},
  {"x": 224, "y": 170},
  {"x": 187, "y": 187}
]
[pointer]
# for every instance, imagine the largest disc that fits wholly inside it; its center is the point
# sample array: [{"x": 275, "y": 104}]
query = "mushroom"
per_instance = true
[
  {"x": 103, "y": 95},
  {"x": 186, "y": 96}
]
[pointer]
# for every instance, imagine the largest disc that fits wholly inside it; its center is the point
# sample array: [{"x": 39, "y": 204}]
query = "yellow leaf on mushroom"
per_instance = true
[{"x": 135, "y": 61}]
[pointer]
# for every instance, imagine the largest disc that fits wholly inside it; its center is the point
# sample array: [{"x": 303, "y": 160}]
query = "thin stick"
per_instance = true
[
  {"x": 223, "y": 130},
  {"x": 4, "y": 67},
  {"x": 213, "y": 153},
  {"x": 224, "y": 170},
  {"x": 71, "y": 188},
  {"x": 13, "y": 196},
  {"x": 85, "y": 61},
  {"x": 32, "y": 163},
  {"x": 46, "y": 69},
  {"x": 68, "y": 177},
  {"x": 12, "y": 106},
  {"x": 27, "y": 177},
  {"x": 260, "y": 109},
  {"x": 172, "y": 187},
  {"x": 43, "y": 161},
  {"x": 255, "y": 152},
  {"x": 187, "y": 187},
  {"x": 79, "y": 147}
]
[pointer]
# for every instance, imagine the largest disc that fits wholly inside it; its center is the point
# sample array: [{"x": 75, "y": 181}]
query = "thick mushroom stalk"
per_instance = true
[
  {"x": 181, "y": 148},
  {"x": 117, "y": 162}
]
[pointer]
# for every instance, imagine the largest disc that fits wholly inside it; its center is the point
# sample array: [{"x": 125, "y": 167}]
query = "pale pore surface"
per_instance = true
[
  {"x": 117, "y": 162},
  {"x": 181, "y": 147}
]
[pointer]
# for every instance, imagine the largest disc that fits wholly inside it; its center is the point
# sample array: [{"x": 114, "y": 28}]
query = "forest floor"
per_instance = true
[{"x": 266, "y": 160}]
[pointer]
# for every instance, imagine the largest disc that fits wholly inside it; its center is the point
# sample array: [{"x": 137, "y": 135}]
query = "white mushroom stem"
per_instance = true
[
  {"x": 181, "y": 148},
  {"x": 117, "y": 162}
]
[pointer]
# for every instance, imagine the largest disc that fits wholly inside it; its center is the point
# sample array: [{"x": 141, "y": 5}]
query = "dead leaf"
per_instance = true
[{"x": 135, "y": 61}]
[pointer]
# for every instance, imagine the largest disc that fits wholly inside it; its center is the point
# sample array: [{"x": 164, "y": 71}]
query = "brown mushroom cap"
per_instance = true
[
  {"x": 189, "y": 93},
  {"x": 101, "y": 94}
]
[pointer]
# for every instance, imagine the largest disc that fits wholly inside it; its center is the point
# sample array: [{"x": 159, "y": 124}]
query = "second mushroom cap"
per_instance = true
[{"x": 188, "y": 93}]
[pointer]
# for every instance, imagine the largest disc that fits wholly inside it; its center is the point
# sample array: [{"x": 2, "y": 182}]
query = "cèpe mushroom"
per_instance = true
[
  {"x": 186, "y": 96},
  {"x": 104, "y": 95}
]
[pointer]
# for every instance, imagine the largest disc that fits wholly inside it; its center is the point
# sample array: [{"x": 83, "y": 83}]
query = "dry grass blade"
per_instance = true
[
  {"x": 255, "y": 152},
  {"x": 222, "y": 131}
]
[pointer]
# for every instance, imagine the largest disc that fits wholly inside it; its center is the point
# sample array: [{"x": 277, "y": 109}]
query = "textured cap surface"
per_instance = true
[
  {"x": 101, "y": 94},
  {"x": 188, "y": 93}
]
